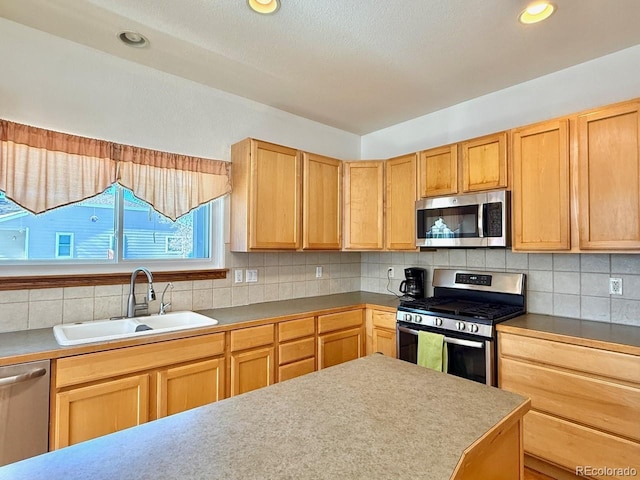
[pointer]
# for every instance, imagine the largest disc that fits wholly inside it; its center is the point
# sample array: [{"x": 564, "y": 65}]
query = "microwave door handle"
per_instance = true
[
  {"x": 481, "y": 219},
  {"x": 453, "y": 341}
]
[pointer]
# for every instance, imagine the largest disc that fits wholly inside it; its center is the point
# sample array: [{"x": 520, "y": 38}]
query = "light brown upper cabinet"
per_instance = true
[
  {"x": 541, "y": 219},
  {"x": 364, "y": 205},
  {"x": 484, "y": 163},
  {"x": 439, "y": 171},
  {"x": 322, "y": 198},
  {"x": 400, "y": 211},
  {"x": 471, "y": 166},
  {"x": 609, "y": 169},
  {"x": 266, "y": 197}
]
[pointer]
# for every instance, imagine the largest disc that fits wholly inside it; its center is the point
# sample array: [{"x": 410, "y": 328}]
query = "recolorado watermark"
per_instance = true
[{"x": 590, "y": 471}]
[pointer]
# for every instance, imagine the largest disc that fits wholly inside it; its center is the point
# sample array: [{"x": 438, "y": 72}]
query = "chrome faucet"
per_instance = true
[
  {"x": 132, "y": 306},
  {"x": 163, "y": 306}
]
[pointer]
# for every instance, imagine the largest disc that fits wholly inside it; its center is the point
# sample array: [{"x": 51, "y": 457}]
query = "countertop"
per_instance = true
[
  {"x": 609, "y": 336},
  {"x": 40, "y": 344},
  {"x": 374, "y": 417}
]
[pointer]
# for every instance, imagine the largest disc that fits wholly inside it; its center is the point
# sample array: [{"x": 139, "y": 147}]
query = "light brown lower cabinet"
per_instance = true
[
  {"x": 340, "y": 337},
  {"x": 296, "y": 348},
  {"x": 252, "y": 369},
  {"x": 104, "y": 392},
  {"x": 383, "y": 333},
  {"x": 252, "y": 358},
  {"x": 91, "y": 411},
  {"x": 189, "y": 386},
  {"x": 585, "y": 402}
]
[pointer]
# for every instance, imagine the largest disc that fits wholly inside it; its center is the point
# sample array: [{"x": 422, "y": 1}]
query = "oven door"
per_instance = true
[{"x": 468, "y": 357}]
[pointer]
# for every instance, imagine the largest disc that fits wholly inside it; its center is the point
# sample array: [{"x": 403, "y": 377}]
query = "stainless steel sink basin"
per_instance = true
[{"x": 103, "y": 330}]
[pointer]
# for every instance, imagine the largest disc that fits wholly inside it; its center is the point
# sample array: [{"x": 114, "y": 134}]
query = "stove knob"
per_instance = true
[
  {"x": 437, "y": 322},
  {"x": 407, "y": 317},
  {"x": 460, "y": 325},
  {"x": 473, "y": 328},
  {"x": 418, "y": 319}
]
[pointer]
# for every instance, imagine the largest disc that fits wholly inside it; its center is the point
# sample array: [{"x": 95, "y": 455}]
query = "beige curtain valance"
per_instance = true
[
  {"x": 41, "y": 170},
  {"x": 173, "y": 184}
]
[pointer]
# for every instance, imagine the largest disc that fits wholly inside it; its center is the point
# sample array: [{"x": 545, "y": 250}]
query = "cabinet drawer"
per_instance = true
[
  {"x": 339, "y": 321},
  {"x": 570, "y": 445},
  {"x": 598, "y": 403},
  {"x": 290, "y": 352},
  {"x": 296, "y": 329},
  {"x": 251, "y": 337},
  {"x": 112, "y": 363},
  {"x": 384, "y": 319},
  {"x": 296, "y": 369},
  {"x": 591, "y": 360}
]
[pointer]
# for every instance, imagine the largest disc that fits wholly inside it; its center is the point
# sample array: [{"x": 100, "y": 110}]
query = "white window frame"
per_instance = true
[{"x": 219, "y": 234}]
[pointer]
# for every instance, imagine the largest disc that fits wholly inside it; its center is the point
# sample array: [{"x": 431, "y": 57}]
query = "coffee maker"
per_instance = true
[{"x": 413, "y": 284}]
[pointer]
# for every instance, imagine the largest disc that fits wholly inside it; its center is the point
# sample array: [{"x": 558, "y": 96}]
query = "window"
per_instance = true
[
  {"x": 112, "y": 227},
  {"x": 64, "y": 245}
]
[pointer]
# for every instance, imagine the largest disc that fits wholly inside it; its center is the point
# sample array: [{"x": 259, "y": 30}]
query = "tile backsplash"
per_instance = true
[
  {"x": 281, "y": 276},
  {"x": 568, "y": 285}
]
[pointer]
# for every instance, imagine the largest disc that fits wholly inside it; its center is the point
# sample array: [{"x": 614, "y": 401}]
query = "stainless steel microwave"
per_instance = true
[{"x": 472, "y": 220}]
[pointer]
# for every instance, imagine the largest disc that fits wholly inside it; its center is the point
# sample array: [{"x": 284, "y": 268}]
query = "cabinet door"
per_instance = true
[
  {"x": 400, "y": 213},
  {"x": 363, "y": 211},
  {"x": 252, "y": 369},
  {"x": 609, "y": 170},
  {"x": 541, "y": 218},
  {"x": 275, "y": 197},
  {"x": 322, "y": 198},
  {"x": 439, "y": 171},
  {"x": 384, "y": 341},
  {"x": 484, "y": 163},
  {"x": 88, "y": 412},
  {"x": 189, "y": 386},
  {"x": 339, "y": 347}
]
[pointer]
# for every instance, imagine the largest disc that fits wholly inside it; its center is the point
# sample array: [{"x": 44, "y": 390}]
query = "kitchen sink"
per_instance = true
[{"x": 103, "y": 330}]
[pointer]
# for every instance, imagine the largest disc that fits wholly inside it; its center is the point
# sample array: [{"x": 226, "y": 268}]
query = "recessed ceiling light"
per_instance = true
[
  {"x": 133, "y": 39},
  {"x": 537, "y": 12},
  {"x": 264, "y": 7}
]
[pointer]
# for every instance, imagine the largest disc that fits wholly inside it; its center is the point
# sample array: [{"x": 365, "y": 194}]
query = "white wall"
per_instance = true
[
  {"x": 53, "y": 83},
  {"x": 609, "y": 79}
]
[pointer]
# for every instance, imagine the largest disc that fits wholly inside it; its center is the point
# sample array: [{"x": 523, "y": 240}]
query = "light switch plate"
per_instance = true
[
  {"x": 251, "y": 276},
  {"x": 238, "y": 276},
  {"x": 318, "y": 272}
]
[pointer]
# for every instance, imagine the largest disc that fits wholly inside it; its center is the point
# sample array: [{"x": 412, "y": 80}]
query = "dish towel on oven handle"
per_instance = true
[{"x": 432, "y": 351}]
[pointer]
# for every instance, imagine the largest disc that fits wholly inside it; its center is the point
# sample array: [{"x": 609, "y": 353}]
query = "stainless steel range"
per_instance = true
[{"x": 465, "y": 307}]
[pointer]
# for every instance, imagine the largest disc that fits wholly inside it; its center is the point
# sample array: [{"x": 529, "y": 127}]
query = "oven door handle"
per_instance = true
[{"x": 453, "y": 341}]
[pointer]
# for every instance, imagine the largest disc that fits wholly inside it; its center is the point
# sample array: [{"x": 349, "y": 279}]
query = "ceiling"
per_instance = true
[{"x": 357, "y": 65}]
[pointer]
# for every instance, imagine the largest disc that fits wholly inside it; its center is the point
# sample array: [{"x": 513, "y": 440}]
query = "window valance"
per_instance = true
[{"x": 42, "y": 169}]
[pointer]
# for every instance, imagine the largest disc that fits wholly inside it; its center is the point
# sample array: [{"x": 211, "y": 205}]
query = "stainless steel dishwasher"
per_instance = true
[{"x": 24, "y": 411}]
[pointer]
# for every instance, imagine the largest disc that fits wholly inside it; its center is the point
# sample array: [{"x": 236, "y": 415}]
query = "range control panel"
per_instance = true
[
  {"x": 473, "y": 279},
  {"x": 442, "y": 323}
]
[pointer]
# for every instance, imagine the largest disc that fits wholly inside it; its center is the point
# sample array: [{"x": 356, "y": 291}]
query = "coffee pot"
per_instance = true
[{"x": 413, "y": 284}]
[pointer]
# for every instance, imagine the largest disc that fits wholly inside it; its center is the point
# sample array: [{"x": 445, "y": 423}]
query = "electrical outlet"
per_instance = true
[
  {"x": 615, "y": 286},
  {"x": 251, "y": 276},
  {"x": 318, "y": 272},
  {"x": 238, "y": 276},
  {"x": 391, "y": 272}
]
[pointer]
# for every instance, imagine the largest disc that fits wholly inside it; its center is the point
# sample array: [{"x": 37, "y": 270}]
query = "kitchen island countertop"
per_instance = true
[{"x": 374, "y": 417}]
